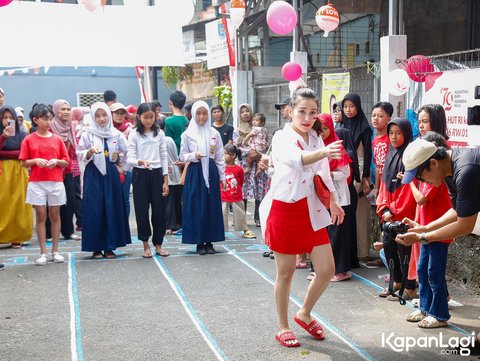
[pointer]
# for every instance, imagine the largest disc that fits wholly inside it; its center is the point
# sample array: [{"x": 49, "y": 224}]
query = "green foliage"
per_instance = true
[{"x": 223, "y": 93}]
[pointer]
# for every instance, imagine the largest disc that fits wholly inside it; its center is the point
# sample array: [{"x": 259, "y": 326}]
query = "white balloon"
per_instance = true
[{"x": 398, "y": 82}]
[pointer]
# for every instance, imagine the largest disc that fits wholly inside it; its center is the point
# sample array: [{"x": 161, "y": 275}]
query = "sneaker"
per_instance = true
[
  {"x": 210, "y": 249},
  {"x": 201, "y": 249},
  {"x": 42, "y": 261},
  {"x": 75, "y": 237},
  {"x": 1, "y": 266},
  {"x": 58, "y": 258},
  {"x": 341, "y": 277}
]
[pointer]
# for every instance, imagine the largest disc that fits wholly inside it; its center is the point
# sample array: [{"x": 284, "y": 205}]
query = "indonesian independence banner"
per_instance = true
[
  {"x": 334, "y": 87},
  {"x": 454, "y": 90}
]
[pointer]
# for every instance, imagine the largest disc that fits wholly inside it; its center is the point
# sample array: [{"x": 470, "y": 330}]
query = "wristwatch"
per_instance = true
[{"x": 423, "y": 240}]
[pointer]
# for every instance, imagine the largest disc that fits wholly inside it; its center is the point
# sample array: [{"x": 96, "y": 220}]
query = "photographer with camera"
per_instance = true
[{"x": 394, "y": 203}]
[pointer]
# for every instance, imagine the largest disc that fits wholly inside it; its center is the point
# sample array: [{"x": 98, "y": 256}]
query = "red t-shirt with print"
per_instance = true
[
  {"x": 380, "y": 146},
  {"x": 234, "y": 176},
  {"x": 35, "y": 146}
]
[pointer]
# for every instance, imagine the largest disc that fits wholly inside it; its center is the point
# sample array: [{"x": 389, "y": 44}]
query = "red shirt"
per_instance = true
[
  {"x": 35, "y": 146},
  {"x": 400, "y": 203},
  {"x": 437, "y": 205},
  {"x": 380, "y": 146},
  {"x": 234, "y": 176}
]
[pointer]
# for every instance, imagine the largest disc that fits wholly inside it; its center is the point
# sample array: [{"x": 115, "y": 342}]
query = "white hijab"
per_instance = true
[
  {"x": 201, "y": 135},
  {"x": 99, "y": 134}
]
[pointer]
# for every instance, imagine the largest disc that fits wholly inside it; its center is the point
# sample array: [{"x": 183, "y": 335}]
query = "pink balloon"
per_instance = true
[
  {"x": 418, "y": 67},
  {"x": 291, "y": 71},
  {"x": 5, "y": 2},
  {"x": 281, "y": 17}
]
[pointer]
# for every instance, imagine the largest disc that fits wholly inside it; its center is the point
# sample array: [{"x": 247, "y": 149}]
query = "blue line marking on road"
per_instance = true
[
  {"x": 190, "y": 308},
  {"x": 78, "y": 326},
  {"x": 341, "y": 335}
]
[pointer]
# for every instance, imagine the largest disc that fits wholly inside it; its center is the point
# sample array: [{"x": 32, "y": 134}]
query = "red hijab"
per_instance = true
[{"x": 326, "y": 120}]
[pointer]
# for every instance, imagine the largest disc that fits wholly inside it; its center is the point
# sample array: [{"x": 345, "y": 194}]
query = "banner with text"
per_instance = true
[
  {"x": 454, "y": 90},
  {"x": 334, "y": 87}
]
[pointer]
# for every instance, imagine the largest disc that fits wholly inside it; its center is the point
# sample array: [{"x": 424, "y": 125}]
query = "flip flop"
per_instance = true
[
  {"x": 163, "y": 253},
  {"x": 311, "y": 328},
  {"x": 287, "y": 336},
  {"x": 16, "y": 245},
  {"x": 147, "y": 255}
]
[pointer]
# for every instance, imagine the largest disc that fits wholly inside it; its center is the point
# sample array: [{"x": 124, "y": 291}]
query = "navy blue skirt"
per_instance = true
[
  {"x": 105, "y": 219},
  {"x": 202, "y": 206}
]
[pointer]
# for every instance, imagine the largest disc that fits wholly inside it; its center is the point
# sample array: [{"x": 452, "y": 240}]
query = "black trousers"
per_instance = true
[
  {"x": 66, "y": 211},
  {"x": 78, "y": 201},
  {"x": 174, "y": 207},
  {"x": 147, "y": 192},
  {"x": 400, "y": 255}
]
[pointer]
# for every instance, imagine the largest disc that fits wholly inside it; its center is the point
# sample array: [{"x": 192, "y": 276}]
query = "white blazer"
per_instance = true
[{"x": 293, "y": 181}]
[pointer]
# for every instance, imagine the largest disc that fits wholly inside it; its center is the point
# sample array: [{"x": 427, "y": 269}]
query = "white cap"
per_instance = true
[
  {"x": 117, "y": 106},
  {"x": 416, "y": 153}
]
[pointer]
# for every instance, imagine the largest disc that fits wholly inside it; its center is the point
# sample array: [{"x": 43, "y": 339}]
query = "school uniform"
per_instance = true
[
  {"x": 202, "y": 206},
  {"x": 292, "y": 216},
  {"x": 105, "y": 221}
]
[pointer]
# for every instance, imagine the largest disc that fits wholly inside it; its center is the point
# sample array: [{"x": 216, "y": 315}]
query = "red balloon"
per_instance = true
[
  {"x": 5, "y": 2},
  {"x": 418, "y": 67}
]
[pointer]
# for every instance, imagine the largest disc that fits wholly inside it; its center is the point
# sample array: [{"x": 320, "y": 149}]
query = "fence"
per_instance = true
[{"x": 362, "y": 82}]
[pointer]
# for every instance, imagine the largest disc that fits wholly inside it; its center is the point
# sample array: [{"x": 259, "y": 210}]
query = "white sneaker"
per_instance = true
[
  {"x": 42, "y": 261},
  {"x": 58, "y": 258}
]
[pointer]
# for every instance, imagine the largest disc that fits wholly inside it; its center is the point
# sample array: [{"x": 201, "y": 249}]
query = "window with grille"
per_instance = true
[{"x": 87, "y": 99}]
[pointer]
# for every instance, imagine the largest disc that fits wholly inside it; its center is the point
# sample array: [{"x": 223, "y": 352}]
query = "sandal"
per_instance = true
[
  {"x": 97, "y": 255},
  {"x": 110, "y": 255},
  {"x": 266, "y": 254},
  {"x": 432, "y": 322},
  {"x": 311, "y": 328},
  {"x": 249, "y": 235},
  {"x": 415, "y": 316},
  {"x": 385, "y": 292},
  {"x": 285, "y": 336},
  {"x": 301, "y": 265},
  {"x": 147, "y": 254},
  {"x": 168, "y": 232},
  {"x": 162, "y": 253},
  {"x": 16, "y": 245}
]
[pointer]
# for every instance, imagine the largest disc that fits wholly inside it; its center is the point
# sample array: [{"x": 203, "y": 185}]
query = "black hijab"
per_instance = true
[
  {"x": 359, "y": 123},
  {"x": 346, "y": 136},
  {"x": 12, "y": 143},
  {"x": 393, "y": 162}
]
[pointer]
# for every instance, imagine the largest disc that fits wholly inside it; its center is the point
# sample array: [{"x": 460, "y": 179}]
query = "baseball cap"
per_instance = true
[
  {"x": 117, "y": 106},
  {"x": 285, "y": 101},
  {"x": 20, "y": 112},
  {"x": 416, "y": 153}
]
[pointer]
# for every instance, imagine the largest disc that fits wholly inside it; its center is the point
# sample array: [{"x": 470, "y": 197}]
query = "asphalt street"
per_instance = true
[{"x": 191, "y": 307}]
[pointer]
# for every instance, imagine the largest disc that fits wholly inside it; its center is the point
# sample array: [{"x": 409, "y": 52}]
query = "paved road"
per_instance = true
[{"x": 190, "y": 307}]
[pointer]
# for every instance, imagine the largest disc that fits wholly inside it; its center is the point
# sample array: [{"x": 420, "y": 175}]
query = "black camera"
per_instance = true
[{"x": 394, "y": 228}]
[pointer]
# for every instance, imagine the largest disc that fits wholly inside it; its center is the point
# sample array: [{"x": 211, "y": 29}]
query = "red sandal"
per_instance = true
[
  {"x": 311, "y": 328},
  {"x": 287, "y": 336}
]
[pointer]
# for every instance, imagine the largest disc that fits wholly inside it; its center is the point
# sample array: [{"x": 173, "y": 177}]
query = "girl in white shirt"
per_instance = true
[
  {"x": 202, "y": 205},
  {"x": 147, "y": 153},
  {"x": 293, "y": 217}
]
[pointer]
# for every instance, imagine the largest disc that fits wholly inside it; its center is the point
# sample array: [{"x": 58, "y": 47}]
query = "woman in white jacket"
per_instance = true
[{"x": 294, "y": 219}]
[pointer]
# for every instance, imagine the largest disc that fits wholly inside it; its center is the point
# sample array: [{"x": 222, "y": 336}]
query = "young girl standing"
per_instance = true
[
  {"x": 147, "y": 153},
  {"x": 395, "y": 202},
  {"x": 340, "y": 235},
  {"x": 46, "y": 156},
  {"x": 293, "y": 218},
  {"x": 202, "y": 146},
  {"x": 105, "y": 221},
  {"x": 232, "y": 194}
]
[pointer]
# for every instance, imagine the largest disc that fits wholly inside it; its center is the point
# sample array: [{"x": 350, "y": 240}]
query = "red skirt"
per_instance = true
[{"x": 289, "y": 230}]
